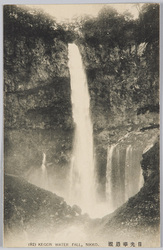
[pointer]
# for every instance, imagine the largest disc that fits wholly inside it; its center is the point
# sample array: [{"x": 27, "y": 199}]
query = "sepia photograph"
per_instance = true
[{"x": 81, "y": 125}]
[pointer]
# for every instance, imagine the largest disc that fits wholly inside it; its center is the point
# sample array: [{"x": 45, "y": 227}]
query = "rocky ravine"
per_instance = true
[
  {"x": 31, "y": 212},
  {"x": 123, "y": 82},
  {"x": 37, "y": 95}
]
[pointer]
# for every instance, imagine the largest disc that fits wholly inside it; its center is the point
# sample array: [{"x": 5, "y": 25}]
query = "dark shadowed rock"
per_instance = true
[{"x": 77, "y": 209}]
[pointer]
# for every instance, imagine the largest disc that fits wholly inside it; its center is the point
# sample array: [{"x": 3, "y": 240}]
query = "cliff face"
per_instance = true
[
  {"x": 124, "y": 92},
  {"x": 121, "y": 59},
  {"x": 37, "y": 102},
  {"x": 123, "y": 86},
  {"x": 36, "y": 80},
  {"x": 123, "y": 79}
]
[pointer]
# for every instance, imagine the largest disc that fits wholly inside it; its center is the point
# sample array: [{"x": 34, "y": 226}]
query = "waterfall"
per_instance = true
[
  {"x": 109, "y": 177},
  {"x": 82, "y": 173},
  {"x": 39, "y": 176},
  {"x": 44, "y": 175},
  {"x": 133, "y": 172},
  {"x": 123, "y": 174},
  {"x": 43, "y": 167},
  {"x": 128, "y": 172}
]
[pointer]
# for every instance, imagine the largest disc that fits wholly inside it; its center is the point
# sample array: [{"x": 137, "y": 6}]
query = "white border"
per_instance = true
[{"x": 1, "y": 97}]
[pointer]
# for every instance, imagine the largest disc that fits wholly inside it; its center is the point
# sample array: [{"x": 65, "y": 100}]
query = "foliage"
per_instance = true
[
  {"x": 126, "y": 52},
  {"x": 121, "y": 55},
  {"x": 148, "y": 24},
  {"x": 30, "y": 23},
  {"x": 109, "y": 29}
]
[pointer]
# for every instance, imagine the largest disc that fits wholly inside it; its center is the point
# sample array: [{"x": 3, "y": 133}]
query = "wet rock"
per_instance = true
[{"x": 77, "y": 209}]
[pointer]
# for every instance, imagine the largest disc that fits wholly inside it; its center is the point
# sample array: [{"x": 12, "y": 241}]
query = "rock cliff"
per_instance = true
[
  {"x": 121, "y": 61},
  {"x": 123, "y": 85}
]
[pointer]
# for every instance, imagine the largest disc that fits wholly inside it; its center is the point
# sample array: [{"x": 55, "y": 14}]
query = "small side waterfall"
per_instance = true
[
  {"x": 82, "y": 173},
  {"x": 133, "y": 172},
  {"x": 123, "y": 174},
  {"x": 43, "y": 167},
  {"x": 39, "y": 176},
  {"x": 109, "y": 177},
  {"x": 44, "y": 174}
]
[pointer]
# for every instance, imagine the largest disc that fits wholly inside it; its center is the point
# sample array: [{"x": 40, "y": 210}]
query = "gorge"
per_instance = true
[{"x": 81, "y": 117}]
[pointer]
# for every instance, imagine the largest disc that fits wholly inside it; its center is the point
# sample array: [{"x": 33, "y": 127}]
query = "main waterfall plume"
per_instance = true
[{"x": 82, "y": 173}]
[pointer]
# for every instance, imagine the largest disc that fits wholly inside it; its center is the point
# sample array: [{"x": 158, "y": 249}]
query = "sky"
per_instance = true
[{"x": 69, "y": 11}]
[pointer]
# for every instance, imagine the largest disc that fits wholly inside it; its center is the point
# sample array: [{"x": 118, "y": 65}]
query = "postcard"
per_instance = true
[{"x": 81, "y": 125}]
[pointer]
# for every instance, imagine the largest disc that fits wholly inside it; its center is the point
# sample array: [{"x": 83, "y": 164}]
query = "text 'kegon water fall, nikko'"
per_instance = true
[{"x": 82, "y": 173}]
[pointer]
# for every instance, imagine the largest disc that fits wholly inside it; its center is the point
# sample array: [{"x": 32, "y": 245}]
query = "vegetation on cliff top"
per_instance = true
[{"x": 121, "y": 56}]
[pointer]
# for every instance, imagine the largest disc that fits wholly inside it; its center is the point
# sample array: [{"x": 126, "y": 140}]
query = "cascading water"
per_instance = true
[
  {"x": 39, "y": 176},
  {"x": 133, "y": 172},
  {"x": 128, "y": 172},
  {"x": 44, "y": 174},
  {"x": 123, "y": 171},
  {"x": 43, "y": 167},
  {"x": 109, "y": 177},
  {"x": 123, "y": 174},
  {"x": 82, "y": 173}
]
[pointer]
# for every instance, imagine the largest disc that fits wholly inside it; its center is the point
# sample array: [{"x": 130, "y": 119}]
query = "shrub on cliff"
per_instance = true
[
  {"x": 125, "y": 51},
  {"x": 27, "y": 22}
]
